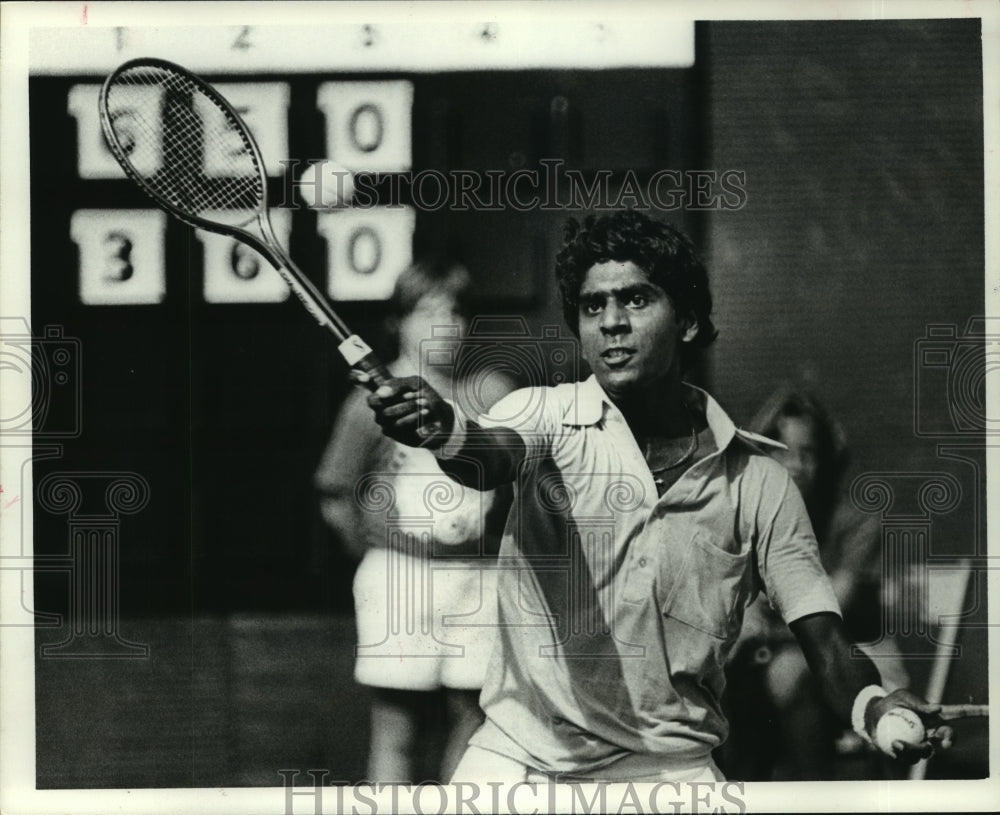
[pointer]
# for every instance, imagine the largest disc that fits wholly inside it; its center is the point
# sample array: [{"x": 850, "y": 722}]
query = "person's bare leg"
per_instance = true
[
  {"x": 395, "y": 717},
  {"x": 464, "y": 718}
]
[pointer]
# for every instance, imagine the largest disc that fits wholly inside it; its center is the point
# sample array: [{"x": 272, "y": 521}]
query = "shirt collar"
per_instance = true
[
  {"x": 591, "y": 402},
  {"x": 588, "y": 406}
]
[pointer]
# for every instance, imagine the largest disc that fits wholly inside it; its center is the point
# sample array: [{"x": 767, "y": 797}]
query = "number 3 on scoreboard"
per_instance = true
[{"x": 121, "y": 255}]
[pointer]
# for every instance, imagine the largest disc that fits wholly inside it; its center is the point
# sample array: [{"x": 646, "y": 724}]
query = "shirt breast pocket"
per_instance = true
[{"x": 707, "y": 589}]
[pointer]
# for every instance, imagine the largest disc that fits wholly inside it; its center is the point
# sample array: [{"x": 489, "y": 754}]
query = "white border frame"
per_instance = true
[{"x": 17, "y": 737}]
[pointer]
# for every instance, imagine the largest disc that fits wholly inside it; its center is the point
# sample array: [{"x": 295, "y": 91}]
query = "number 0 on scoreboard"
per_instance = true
[{"x": 368, "y": 124}]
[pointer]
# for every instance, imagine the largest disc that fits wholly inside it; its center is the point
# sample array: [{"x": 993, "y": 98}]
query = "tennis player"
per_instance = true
[{"x": 644, "y": 523}]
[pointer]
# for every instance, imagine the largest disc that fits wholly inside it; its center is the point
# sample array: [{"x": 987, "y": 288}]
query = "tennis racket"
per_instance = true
[
  {"x": 191, "y": 121},
  {"x": 949, "y": 713}
]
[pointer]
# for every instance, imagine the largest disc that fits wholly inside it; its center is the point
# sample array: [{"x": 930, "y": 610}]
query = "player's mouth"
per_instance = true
[{"x": 617, "y": 357}]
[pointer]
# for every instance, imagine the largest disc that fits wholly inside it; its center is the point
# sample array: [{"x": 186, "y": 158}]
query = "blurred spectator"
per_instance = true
[
  {"x": 780, "y": 727},
  {"x": 413, "y": 585}
]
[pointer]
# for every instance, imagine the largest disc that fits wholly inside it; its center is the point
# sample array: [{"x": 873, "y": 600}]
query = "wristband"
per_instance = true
[
  {"x": 861, "y": 701},
  {"x": 456, "y": 439}
]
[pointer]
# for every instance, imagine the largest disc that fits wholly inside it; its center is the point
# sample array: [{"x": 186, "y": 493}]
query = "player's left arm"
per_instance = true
[
  {"x": 850, "y": 683},
  {"x": 800, "y": 591}
]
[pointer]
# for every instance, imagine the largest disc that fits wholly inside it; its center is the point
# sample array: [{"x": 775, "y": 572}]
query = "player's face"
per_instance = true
[
  {"x": 800, "y": 459},
  {"x": 629, "y": 332},
  {"x": 434, "y": 310}
]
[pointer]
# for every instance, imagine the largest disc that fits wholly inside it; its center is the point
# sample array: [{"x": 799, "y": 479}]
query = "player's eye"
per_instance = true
[
  {"x": 591, "y": 307},
  {"x": 638, "y": 300}
]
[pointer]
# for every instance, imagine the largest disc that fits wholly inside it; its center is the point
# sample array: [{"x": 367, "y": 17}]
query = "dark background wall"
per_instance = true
[
  {"x": 862, "y": 234},
  {"x": 863, "y": 225}
]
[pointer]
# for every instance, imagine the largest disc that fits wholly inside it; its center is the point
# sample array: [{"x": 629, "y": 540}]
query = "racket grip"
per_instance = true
[
  {"x": 377, "y": 372},
  {"x": 360, "y": 357}
]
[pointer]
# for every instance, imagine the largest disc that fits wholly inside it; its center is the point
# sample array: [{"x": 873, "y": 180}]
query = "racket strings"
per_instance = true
[{"x": 207, "y": 168}]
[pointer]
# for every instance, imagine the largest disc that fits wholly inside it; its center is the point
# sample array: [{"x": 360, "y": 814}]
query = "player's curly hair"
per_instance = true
[{"x": 663, "y": 252}]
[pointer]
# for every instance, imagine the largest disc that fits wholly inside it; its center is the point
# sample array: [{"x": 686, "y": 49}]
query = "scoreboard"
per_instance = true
[
  {"x": 367, "y": 130},
  {"x": 367, "y": 127},
  {"x": 198, "y": 372}
]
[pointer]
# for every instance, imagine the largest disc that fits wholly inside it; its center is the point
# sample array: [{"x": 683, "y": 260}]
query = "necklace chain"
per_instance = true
[{"x": 692, "y": 446}]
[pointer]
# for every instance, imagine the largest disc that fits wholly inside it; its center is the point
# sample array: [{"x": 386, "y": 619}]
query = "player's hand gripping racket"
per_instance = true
[{"x": 193, "y": 121}]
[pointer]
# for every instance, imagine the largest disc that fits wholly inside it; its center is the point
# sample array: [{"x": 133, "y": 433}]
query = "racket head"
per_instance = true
[{"x": 185, "y": 145}]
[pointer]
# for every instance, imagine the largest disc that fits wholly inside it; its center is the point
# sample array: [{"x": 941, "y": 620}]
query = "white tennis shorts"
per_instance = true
[{"x": 423, "y": 623}]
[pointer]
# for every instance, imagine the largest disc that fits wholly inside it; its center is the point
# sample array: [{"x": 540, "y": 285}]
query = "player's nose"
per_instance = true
[{"x": 614, "y": 318}]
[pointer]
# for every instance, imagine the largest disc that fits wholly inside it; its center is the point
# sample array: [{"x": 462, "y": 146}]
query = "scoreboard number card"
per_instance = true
[
  {"x": 264, "y": 108},
  {"x": 235, "y": 273},
  {"x": 121, "y": 256},
  {"x": 368, "y": 124},
  {"x": 366, "y": 250},
  {"x": 94, "y": 160}
]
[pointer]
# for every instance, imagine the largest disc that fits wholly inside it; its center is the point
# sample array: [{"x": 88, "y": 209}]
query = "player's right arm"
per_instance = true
[{"x": 413, "y": 413}]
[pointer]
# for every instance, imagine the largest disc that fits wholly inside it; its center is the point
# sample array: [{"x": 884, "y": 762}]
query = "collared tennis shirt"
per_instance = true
[{"x": 617, "y": 607}]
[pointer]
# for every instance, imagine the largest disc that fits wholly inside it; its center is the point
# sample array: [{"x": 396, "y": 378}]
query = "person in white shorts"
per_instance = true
[{"x": 425, "y": 590}]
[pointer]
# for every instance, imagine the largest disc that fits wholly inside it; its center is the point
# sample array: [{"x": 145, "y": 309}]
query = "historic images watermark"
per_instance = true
[
  {"x": 306, "y": 791},
  {"x": 554, "y": 187}
]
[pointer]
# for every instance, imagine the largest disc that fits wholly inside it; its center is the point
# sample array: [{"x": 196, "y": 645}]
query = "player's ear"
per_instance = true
[{"x": 689, "y": 329}]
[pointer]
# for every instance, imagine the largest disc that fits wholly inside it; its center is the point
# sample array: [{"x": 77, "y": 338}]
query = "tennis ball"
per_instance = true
[
  {"x": 898, "y": 724},
  {"x": 326, "y": 185}
]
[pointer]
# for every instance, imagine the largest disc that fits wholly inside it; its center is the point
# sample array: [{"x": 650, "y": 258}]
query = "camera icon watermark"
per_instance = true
[
  {"x": 40, "y": 382},
  {"x": 952, "y": 375},
  {"x": 502, "y": 346}
]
